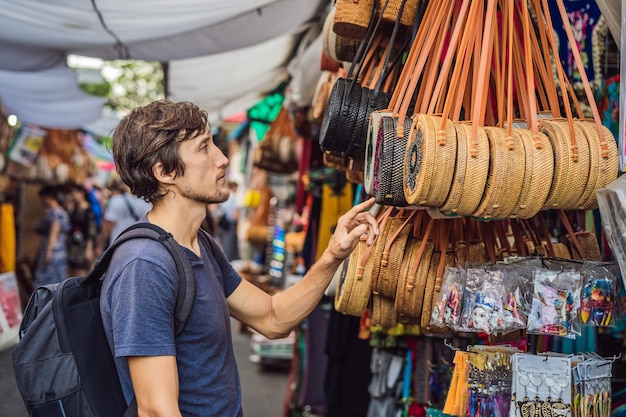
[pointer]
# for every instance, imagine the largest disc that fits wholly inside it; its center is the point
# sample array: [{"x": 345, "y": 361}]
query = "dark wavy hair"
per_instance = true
[{"x": 152, "y": 134}]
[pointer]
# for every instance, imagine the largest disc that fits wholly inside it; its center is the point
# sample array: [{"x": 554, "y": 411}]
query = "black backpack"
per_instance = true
[{"x": 63, "y": 364}]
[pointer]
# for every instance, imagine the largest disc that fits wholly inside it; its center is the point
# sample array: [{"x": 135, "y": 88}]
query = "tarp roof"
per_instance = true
[{"x": 219, "y": 52}]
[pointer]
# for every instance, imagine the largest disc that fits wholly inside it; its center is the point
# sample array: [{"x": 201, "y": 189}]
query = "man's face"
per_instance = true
[{"x": 204, "y": 180}]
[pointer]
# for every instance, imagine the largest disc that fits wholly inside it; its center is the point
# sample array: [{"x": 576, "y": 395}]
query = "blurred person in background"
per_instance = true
[
  {"x": 51, "y": 261},
  {"x": 228, "y": 217},
  {"x": 82, "y": 237},
  {"x": 122, "y": 210}
]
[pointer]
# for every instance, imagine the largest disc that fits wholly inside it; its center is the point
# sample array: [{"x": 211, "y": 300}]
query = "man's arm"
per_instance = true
[
  {"x": 155, "y": 381},
  {"x": 275, "y": 316}
]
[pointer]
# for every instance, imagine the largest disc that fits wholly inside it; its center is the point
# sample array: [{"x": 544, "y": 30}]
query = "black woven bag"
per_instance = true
[
  {"x": 389, "y": 188},
  {"x": 344, "y": 101}
]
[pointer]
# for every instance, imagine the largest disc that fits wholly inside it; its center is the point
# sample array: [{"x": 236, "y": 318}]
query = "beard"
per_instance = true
[{"x": 217, "y": 196}]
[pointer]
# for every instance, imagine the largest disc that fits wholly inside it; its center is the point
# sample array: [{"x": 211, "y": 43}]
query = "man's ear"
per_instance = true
[{"x": 160, "y": 175}]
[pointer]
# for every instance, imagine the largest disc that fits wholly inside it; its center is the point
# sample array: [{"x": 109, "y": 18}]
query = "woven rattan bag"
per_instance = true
[
  {"x": 470, "y": 172},
  {"x": 505, "y": 178},
  {"x": 429, "y": 161},
  {"x": 352, "y": 17},
  {"x": 354, "y": 289},
  {"x": 414, "y": 274},
  {"x": 389, "y": 253}
]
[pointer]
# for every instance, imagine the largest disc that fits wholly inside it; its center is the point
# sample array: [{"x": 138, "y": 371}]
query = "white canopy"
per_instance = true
[{"x": 218, "y": 50}]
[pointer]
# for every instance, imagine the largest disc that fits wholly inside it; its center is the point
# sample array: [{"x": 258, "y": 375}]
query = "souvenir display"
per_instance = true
[
  {"x": 542, "y": 386},
  {"x": 447, "y": 308},
  {"x": 556, "y": 303},
  {"x": 597, "y": 307}
]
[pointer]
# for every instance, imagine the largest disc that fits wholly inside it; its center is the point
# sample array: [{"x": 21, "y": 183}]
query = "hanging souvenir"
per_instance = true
[
  {"x": 556, "y": 302},
  {"x": 482, "y": 301},
  {"x": 598, "y": 296},
  {"x": 542, "y": 386},
  {"x": 447, "y": 308}
]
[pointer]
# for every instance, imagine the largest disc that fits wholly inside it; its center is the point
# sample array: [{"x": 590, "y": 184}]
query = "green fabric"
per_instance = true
[{"x": 264, "y": 112}]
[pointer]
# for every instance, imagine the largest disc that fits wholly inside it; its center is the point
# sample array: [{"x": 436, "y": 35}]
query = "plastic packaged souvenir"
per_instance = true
[
  {"x": 599, "y": 295},
  {"x": 482, "y": 301},
  {"x": 556, "y": 302},
  {"x": 447, "y": 308}
]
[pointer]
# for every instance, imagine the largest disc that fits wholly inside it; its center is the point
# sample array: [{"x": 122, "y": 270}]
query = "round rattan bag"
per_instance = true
[
  {"x": 603, "y": 167},
  {"x": 353, "y": 291},
  {"x": 571, "y": 175},
  {"x": 429, "y": 161},
  {"x": 539, "y": 162},
  {"x": 505, "y": 177},
  {"x": 393, "y": 252},
  {"x": 409, "y": 298},
  {"x": 470, "y": 173}
]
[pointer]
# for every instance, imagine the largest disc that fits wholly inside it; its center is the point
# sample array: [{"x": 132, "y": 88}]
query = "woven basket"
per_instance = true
[
  {"x": 570, "y": 178},
  {"x": 353, "y": 291},
  {"x": 352, "y": 18},
  {"x": 409, "y": 298},
  {"x": 539, "y": 173},
  {"x": 383, "y": 313},
  {"x": 477, "y": 252},
  {"x": 590, "y": 245},
  {"x": 429, "y": 290},
  {"x": 561, "y": 251},
  {"x": 604, "y": 169},
  {"x": 470, "y": 173},
  {"x": 392, "y": 10},
  {"x": 429, "y": 161},
  {"x": 506, "y": 174}
]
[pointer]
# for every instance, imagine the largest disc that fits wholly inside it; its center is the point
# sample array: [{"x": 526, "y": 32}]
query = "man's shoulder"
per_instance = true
[{"x": 144, "y": 250}]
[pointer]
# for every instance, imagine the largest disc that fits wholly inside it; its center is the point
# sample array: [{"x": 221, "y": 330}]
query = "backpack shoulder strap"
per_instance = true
[
  {"x": 206, "y": 239},
  {"x": 186, "y": 278}
]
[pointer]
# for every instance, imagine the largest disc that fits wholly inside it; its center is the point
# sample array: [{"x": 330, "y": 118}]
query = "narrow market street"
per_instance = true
[{"x": 263, "y": 389}]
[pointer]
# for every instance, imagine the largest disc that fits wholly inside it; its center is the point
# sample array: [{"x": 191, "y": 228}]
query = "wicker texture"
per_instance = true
[
  {"x": 352, "y": 18},
  {"x": 590, "y": 245},
  {"x": 570, "y": 178},
  {"x": 476, "y": 252},
  {"x": 409, "y": 298},
  {"x": 391, "y": 262},
  {"x": 353, "y": 292},
  {"x": 390, "y": 190},
  {"x": 392, "y": 10},
  {"x": 470, "y": 175},
  {"x": 383, "y": 313},
  {"x": 539, "y": 173},
  {"x": 429, "y": 290},
  {"x": 430, "y": 158},
  {"x": 497, "y": 180},
  {"x": 605, "y": 169}
]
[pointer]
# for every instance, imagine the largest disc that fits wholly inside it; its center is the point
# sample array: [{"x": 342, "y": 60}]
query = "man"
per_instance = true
[{"x": 165, "y": 153}]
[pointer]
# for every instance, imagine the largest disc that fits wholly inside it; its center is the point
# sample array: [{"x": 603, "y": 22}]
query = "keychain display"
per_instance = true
[
  {"x": 447, "y": 308},
  {"x": 542, "y": 386},
  {"x": 556, "y": 303},
  {"x": 592, "y": 387},
  {"x": 599, "y": 296}
]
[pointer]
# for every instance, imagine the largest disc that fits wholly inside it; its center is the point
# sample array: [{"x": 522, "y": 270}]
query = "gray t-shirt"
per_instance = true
[{"x": 137, "y": 304}]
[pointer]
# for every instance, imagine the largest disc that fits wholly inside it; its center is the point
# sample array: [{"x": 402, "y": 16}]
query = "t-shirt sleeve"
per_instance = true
[
  {"x": 231, "y": 278},
  {"x": 142, "y": 299}
]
